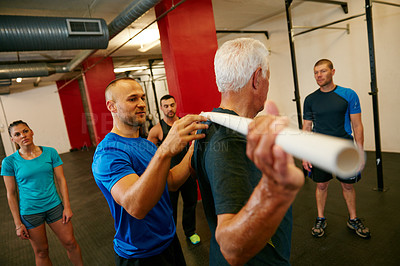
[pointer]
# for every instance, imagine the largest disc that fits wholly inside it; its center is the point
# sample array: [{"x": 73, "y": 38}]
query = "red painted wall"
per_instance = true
[
  {"x": 189, "y": 43},
  {"x": 96, "y": 81},
  {"x": 74, "y": 114}
]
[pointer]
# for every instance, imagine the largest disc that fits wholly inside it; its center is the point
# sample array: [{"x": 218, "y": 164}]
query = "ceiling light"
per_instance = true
[
  {"x": 19, "y": 80},
  {"x": 146, "y": 36},
  {"x": 125, "y": 69},
  {"x": 144, "y": 48}
]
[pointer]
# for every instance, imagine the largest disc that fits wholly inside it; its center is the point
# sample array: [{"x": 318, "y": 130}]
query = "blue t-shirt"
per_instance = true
[
  {"x": 330, "y": 111},
  {"x": 35, "y": 180},
  {"x": 115, "y": 158}
]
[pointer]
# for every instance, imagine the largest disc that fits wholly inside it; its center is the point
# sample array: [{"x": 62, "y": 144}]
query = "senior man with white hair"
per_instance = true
[{"x": 247, "y": 185}]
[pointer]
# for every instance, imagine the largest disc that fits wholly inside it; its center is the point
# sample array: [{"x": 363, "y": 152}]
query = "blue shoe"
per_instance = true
[
  {"x": 319, "y": 228},
  {"x": 359, "y": 228}
]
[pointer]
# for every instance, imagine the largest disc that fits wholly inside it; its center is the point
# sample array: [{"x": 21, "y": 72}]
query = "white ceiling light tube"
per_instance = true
[
  {"x": 148, "y": 46},
  {"x": 125, "y": 69}
]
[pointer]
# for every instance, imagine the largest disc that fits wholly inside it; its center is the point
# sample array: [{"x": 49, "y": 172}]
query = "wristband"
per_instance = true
[{"x": 19, "y": 227}]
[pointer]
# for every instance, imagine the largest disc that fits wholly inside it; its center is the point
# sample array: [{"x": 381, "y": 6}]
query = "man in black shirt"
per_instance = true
[
  {"x": 334, "y": 110},
  {"x": 189, "y": 189},
  {"x": 247, "y": 185}
]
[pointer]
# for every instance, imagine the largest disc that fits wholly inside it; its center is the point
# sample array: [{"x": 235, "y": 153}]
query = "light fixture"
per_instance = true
[
  {"x": 144, "y": 48},
  {"x": 146, "y": 39},
  {"x": 146, "y": 36},
  {"x": 125, "y": 69},
  {"x": 18, "y": 80}
]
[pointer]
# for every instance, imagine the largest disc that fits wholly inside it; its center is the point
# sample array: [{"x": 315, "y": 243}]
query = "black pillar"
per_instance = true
[
  {"x": 374, "y": 94},
  {"x": 294, "y": 68}
]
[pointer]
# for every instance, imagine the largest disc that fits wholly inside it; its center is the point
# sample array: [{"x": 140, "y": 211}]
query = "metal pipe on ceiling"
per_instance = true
[{"x": 27, "y": 70}]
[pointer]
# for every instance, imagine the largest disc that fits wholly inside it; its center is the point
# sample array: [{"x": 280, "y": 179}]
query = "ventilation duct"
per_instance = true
[
  {"x": 22, "y": 33},
  {"x": 134, "y": 10}
]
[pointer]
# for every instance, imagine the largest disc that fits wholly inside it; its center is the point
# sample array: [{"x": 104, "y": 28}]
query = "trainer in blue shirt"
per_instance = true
[{"x": 135, "y": 176}]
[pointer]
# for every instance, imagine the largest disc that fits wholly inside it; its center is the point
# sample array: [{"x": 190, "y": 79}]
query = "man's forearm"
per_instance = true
[
  {"x": 359, "y": 137},
  {"x": 307, "y": 125},
  {"x": 144, "y": 193},
  {"x": 180, "y": 173}
]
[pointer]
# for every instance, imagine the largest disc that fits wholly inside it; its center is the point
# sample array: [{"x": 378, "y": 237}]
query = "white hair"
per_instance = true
[{"x": 236, "y": 61}]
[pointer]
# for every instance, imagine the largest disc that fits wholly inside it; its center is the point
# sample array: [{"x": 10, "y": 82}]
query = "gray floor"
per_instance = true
[{"x": 94, "y": 226}]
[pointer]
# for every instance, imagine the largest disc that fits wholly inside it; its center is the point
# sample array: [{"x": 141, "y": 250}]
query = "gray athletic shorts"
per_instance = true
[{"x": 34, "y": 220}]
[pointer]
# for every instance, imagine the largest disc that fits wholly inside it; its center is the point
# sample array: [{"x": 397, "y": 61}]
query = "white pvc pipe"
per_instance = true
[{"x": 335, "y": 155}]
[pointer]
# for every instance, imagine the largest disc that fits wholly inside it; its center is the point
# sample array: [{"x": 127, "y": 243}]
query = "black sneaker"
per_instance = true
[
  {"x": 358, "y": 227},
  {"x": 319, "y": 227}
]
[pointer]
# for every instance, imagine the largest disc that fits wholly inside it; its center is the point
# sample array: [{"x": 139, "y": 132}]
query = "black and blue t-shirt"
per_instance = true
[{"x": 330, "y": 111}]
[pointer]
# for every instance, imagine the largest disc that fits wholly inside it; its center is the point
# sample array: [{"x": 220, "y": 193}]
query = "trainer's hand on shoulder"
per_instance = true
[
  {"x": 180, "y": 134},
  {"x": 276, "y": 165}
]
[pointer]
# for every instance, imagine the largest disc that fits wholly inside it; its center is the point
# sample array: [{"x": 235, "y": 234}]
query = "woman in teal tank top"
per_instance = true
[{"x": 29, "y": 176}]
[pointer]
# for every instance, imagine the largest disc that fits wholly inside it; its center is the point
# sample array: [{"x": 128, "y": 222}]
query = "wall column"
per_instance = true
[
  {"x": 74, "y": 114},
  {"x": 96, "y": 80},
  {"x": 189, "y": 43}
]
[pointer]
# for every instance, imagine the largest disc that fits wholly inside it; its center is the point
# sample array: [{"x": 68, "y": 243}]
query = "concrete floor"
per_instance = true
[{"x": 94, "y": 229}]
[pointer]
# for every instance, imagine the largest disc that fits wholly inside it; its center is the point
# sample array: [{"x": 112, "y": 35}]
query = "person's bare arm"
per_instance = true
[
  {"x": 307, "y": 126},
  {"x": 358, "y": 129},
  {"x": 62, "y": 184},
  {"x": 138, "y": 195},
  {"x": 12, "y": 199},
  {"x": 241, "y": 236},
  {"x": 155, "y": 134},
  {"x": 180, "y": 173}
]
